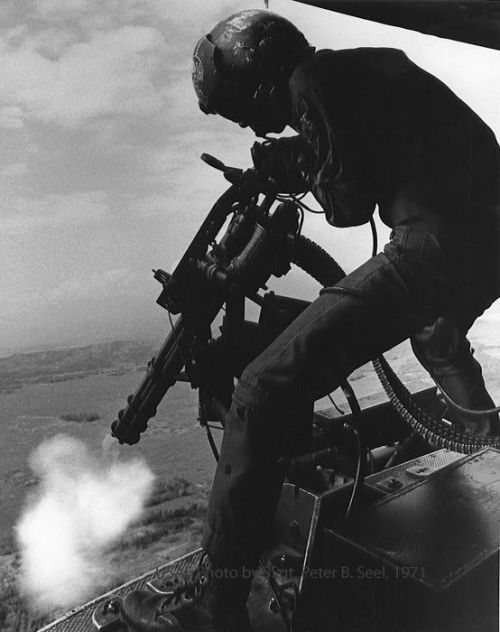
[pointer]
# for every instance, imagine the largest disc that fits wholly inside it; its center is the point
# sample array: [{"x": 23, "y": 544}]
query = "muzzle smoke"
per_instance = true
[{"x": 83, "y": 503}]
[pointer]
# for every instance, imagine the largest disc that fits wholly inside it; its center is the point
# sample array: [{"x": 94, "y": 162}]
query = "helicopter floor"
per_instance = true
[{"x": 91, "y": 617}]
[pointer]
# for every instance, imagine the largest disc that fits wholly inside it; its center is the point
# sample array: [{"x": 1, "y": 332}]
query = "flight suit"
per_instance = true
[{"x": 373, "y": 130}]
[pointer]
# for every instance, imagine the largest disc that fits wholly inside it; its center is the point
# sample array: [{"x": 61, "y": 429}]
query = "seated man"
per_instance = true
[{"x": 373, "y": 129}]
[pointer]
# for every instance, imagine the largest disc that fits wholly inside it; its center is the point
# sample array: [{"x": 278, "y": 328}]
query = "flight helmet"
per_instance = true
[{"x": 243, "y": 64}]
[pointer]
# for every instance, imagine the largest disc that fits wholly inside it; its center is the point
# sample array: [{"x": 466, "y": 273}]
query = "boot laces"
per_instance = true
[{"x": 184, "y": 589}]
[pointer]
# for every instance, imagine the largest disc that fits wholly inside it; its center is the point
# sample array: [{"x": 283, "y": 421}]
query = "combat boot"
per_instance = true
[{"x": 206, "y": 602}]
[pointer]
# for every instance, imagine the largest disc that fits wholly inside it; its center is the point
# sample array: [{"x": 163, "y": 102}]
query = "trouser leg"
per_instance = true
[
  {"x": 332, "y": 337},
  {"x": 443, "y": 349}
]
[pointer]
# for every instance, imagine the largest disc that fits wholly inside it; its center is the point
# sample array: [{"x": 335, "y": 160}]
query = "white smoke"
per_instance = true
[{"x": 83, "y": 504}]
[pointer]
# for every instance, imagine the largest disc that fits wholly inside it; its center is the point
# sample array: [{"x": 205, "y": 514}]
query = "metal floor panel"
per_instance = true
[{"x": 411, "y": 472}]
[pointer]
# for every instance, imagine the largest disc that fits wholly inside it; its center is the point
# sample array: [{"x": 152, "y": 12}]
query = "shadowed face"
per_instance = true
[
  {"x": 253, "y": 102},
  {"x": 265, "y": 111}
]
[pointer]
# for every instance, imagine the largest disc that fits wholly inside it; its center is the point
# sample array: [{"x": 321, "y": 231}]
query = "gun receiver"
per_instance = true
[
  {"x": 254, "y": 247},
  {"x": 163, "y": 370}
]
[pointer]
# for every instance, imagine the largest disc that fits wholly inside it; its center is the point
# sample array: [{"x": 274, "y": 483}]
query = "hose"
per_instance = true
[{"x": 316, "y": 262}]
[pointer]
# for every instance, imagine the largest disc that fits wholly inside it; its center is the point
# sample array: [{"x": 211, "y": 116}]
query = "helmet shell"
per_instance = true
[{"x": 241, "y": 53}]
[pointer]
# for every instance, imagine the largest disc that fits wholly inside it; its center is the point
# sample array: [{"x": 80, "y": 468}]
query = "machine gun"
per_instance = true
[
  {"x": 376, "y": 528},
  {"x": 261, "y": 239}
]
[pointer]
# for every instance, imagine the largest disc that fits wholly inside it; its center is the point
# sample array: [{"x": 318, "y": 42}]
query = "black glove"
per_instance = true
[{"x": 284, "y": 160}]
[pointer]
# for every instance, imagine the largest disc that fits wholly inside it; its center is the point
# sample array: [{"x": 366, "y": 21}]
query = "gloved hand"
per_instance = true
[{"x": 286, "y": 161}]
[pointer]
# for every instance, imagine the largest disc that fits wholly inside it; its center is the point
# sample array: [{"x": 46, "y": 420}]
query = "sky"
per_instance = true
[{"x": 100, "y": 177}]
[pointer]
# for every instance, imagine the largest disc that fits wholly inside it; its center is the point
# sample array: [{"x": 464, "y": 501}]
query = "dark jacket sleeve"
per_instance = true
[{"x": 334, "y": 175}]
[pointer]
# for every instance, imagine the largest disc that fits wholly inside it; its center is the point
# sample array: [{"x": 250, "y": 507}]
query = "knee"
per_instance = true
[
  {"x": 250, "y": 377},
  {"x": 261, "y": 399},
  {"x": 263, "y": 382},
  {"x": 257, "y": 417},
  {"x": 250, "y": 390}
]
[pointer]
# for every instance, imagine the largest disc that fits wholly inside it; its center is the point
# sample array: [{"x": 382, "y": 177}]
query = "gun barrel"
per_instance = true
[{"x": 161, "y": 373}]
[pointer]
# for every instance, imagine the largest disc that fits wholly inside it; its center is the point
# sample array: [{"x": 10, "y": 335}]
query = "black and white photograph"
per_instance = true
[{"x": 250, "y": 315}]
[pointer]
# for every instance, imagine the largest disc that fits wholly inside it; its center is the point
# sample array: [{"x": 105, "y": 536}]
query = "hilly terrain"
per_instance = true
[{"x": 60, "y": 365}]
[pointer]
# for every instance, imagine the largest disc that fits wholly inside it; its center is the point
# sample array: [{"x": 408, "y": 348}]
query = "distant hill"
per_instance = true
[{"x": 72, "y": 363}]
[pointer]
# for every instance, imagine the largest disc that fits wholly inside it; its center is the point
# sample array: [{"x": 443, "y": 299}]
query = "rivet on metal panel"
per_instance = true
[{"x": 294, "y": 529}]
